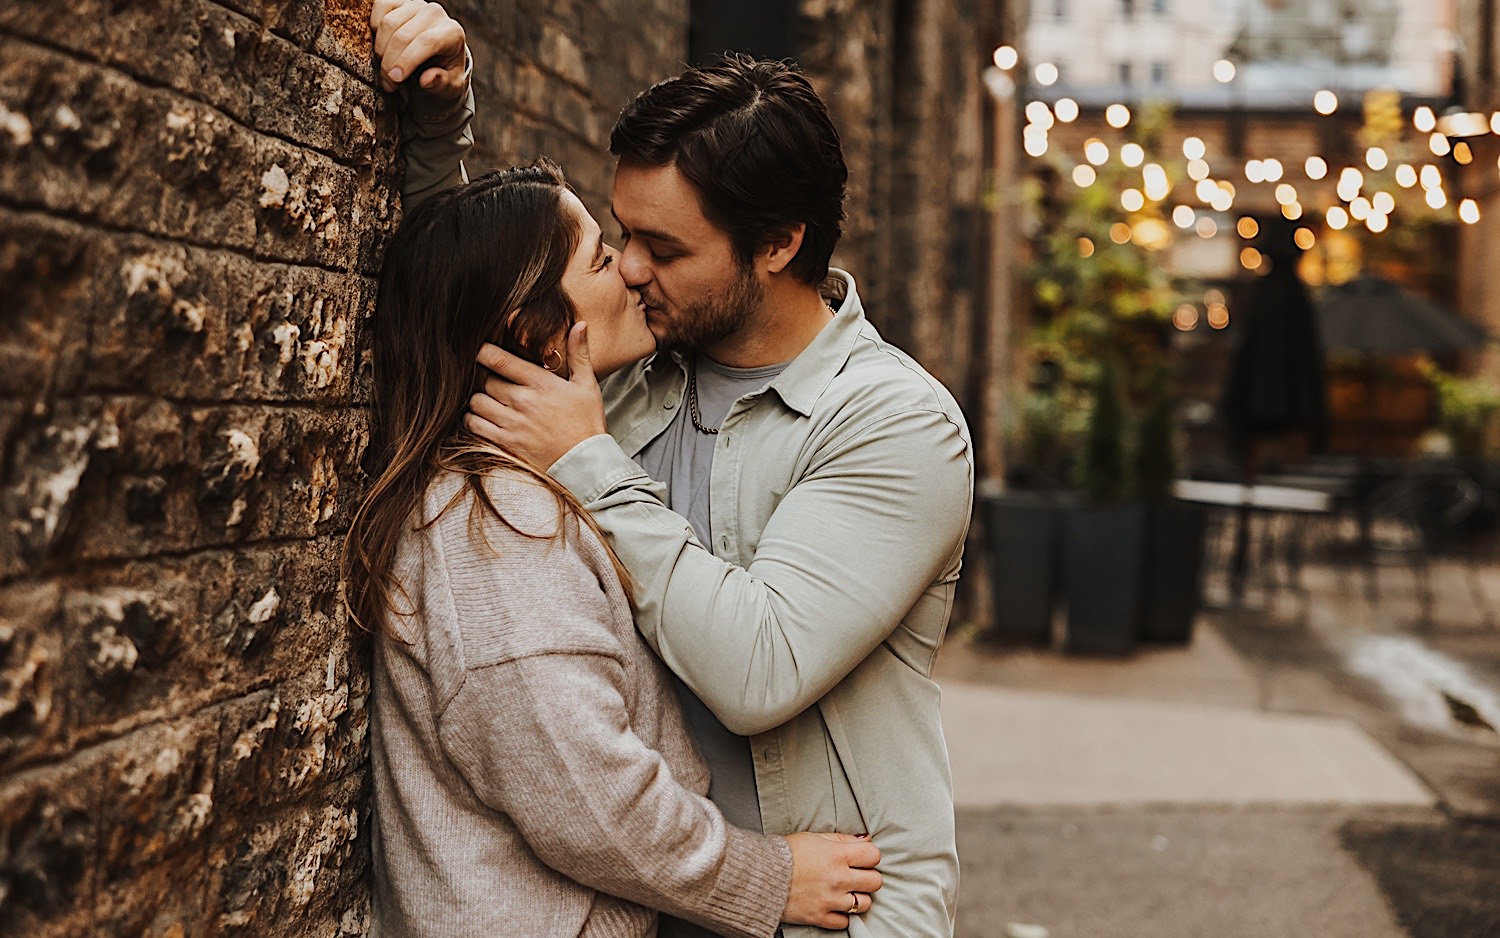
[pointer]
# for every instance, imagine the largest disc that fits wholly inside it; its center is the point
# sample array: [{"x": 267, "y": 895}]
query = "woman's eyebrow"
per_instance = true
[{"x": 598, "y": 249}]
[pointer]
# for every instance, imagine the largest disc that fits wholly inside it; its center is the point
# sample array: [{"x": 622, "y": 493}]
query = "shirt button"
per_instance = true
[{"x": 671, "y": 402}]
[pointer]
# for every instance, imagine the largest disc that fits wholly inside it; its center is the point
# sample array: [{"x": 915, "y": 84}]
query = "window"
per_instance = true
[
  {"x": 1127, "y": 74},
  {"x": 1161, "y": 74}
]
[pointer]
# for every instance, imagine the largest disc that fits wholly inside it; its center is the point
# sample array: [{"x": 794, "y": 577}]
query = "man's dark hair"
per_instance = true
[{"x": 755, "y": 139}]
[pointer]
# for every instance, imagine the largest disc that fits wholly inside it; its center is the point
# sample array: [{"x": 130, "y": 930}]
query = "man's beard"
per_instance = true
[{"x": 711, "y": 319}]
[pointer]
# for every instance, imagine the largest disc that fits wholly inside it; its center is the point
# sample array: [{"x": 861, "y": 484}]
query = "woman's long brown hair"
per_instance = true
[{"x": 482, "y": 262}]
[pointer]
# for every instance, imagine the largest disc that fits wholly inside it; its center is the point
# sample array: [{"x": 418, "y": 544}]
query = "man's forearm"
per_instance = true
[{"x": 844, "y": 558}]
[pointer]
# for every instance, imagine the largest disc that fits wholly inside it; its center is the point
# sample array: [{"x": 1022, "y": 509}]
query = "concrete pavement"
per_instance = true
[{"x": 1257, "y": 782}]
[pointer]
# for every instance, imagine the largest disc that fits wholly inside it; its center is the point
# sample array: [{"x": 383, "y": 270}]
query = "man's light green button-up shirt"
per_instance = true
[{"x": 840, "y": 498}]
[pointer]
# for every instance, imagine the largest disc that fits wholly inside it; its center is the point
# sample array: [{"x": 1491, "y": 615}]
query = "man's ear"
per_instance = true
[{"x": 783, "y": 248}]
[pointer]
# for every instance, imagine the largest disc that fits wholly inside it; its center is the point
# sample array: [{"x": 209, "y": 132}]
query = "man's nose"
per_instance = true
[{"x": 634, "y": 265}]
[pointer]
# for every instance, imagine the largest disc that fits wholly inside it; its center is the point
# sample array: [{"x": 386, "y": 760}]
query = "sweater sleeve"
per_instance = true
[
  {"x": 546, "y": 739},
  {"x": 435, "y": 138},
  {"x": 540, "y": 728}
]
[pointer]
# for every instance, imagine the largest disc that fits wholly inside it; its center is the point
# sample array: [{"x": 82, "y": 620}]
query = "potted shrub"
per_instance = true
[
  {"x": 1172, "y": 569},
  {"x": 1102, "y": 538}
]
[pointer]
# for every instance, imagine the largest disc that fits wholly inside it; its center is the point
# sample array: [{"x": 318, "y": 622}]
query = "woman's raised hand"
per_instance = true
[{"x": 413, "y": 33}]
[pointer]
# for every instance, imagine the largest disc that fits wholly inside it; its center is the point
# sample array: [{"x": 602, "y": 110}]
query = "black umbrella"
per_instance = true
[
  {"x": 1276, "y": 383},
  {"x": 1370, "y": 315}
]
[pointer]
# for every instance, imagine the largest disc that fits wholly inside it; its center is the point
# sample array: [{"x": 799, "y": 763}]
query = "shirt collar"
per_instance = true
[
  {"x": 804, "y": 380},
  {"x": 808, "y": 375}
]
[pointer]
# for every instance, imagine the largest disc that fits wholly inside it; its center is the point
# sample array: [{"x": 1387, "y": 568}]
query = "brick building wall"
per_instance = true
[{"x": 194, "y": 195}]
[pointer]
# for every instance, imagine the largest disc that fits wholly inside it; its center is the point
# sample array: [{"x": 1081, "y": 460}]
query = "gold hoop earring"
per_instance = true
[{"x": 546, "y": 359}]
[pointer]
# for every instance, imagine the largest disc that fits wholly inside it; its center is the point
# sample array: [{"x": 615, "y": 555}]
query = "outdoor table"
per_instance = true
[{"x": 1252, "y": 499}]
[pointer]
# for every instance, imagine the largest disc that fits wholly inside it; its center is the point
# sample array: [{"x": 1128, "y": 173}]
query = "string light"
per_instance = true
[
  {"x": 1006, "y": 58},
  {"x": 1218, "y": 316},
  {"x": 1222, "y": 202},
  {"x": 1406, "y": 176},
  {"x": 1038, "y": 113},
  {"x": 1377, "y": 222},
  {"x": 1424, "y": 119},
  {"x": 1351, "y": 181},
  {"x": 1383, "y": 202},
  {"x": 1337, "y": 218},
  {"x": 1183, "y": 216},
  {"x": 1255, "y": 171},
  {"x": 1247, "y": 227},
  {"x": 1286, "y": 194},
  {"x": 1186, "y": 317},
  {"x": 1495, "y": 123},
  {"x": 1157, "y": 185},
  {"x": 1305, "y": 239},
  {"x": 1436, "y": 199},
  {"x": 1439, "y": 145},
  {"x": 1250, "y": 258},
  {"x": 1096, "y": 152},
  {"x": 1085, "y": 247},
  {"x": 1432, "y": 177},
  {"x": 1198, "y": 170},
  {"x": 1035, "y": 141},
  {"x": 1132, "y": 154},
  {"x": 1462, "y": 153},
  {"x": 1376, "y": 159},
  {"x": 1132, "y": 200},
  {"x": 1224, "y": 71},
  {"x": 1316, "y": 168},
  {"x": 1360, "y": 209},
  {"x": 1066, "y": 110},
  {"x": 1194, "y": 149},
  {"x": 1206, "y": 227},
  {"x": 1084, "y": 175},
  {"x": 1206, "y": 190},
  {"x": 1292, "y": 212},
  {"x": 1273, "y": 170},
  {"x": 1468, "y": 211},
  {"x": 1119, "y": 233},
  {"x": 1117, "y": 116},
  {"x": 1325, "y": 102},
  {"x": 1046, "y": 74}
]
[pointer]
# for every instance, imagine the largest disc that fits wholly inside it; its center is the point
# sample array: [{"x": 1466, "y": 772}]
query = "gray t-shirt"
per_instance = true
[{"x": 682, "y": 459}]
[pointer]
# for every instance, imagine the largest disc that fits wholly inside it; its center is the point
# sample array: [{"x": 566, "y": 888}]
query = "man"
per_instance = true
[
  {"x": 422, "y": 52},
  {"x": 790, "y": 493}
]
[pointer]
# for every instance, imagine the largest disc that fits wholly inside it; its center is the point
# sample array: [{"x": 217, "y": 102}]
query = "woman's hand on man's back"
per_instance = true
[{"x": 833, "y": 876}]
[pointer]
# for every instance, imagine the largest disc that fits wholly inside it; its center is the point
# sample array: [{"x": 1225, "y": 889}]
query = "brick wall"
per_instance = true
[
  {"x": 194, "y": 195},
  {"x": 903, "y": 80}
]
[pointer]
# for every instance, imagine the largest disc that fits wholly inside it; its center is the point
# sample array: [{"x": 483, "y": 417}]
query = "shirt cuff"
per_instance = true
[
  {"x": 436, "y": 116},
  {"x": 594, "y": 468}
]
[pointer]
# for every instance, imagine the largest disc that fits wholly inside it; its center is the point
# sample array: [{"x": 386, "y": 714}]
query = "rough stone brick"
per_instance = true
[
  {"x": 49, "y": 837},
  {"x": 194, "y": 200},
  {"x": 31, "y": 702}
]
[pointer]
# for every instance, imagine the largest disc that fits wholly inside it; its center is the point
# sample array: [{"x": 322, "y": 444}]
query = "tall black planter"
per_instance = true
[
  {"x": 1023, "y": 531},
  {"x": 1173, "y": 584},
  {"x": 1102, "y": 576}
]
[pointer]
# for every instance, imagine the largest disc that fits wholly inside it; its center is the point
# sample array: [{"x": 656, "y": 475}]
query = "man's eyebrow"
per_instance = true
[{"x": 649, "y": 233}]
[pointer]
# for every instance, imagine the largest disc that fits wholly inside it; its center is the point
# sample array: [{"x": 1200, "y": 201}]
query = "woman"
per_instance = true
[{"x": 533, "y": 775}]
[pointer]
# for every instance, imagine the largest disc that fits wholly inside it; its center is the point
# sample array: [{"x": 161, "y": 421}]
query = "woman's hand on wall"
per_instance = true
[{"x": 415, "y": 36}]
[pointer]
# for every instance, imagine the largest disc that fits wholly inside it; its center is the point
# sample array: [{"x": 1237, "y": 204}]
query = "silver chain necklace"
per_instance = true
[{"x": 693, "y": 398}]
